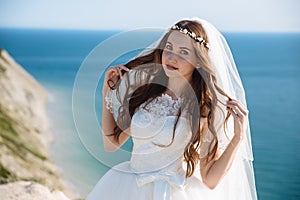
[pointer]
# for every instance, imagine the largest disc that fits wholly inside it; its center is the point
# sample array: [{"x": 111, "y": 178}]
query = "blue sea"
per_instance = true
[{"x": 269, "y": 66}]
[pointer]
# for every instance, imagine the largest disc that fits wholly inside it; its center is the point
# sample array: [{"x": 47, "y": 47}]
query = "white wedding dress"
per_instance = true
[{"x": 157, "y": 172}]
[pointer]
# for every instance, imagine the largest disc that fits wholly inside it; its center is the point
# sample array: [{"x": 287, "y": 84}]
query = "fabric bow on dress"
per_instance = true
[{"x": 170, "y": 176}]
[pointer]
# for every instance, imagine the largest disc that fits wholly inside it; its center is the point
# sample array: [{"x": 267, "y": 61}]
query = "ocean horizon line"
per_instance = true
[{"x": 137, "y": 28}]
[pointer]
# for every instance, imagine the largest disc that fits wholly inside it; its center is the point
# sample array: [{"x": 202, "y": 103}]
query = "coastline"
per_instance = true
[
  {"x": 81, "y": 170},
  {"x": 27, "y": 171}
]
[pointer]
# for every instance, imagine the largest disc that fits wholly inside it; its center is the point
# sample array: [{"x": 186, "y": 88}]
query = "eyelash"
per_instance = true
[
  {"x": 168, "y": 47},
  {"x": 184, "y": 52}
]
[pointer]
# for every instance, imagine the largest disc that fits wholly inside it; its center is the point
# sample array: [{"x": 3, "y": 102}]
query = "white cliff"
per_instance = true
[{"x": 24, "y": 137}]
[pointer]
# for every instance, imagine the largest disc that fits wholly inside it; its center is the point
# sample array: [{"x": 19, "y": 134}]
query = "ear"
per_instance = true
[{"x": 198, "y": 65}]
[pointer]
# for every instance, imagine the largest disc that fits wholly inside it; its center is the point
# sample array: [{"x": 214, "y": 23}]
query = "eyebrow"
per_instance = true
[{"x": 180, "y": 47}]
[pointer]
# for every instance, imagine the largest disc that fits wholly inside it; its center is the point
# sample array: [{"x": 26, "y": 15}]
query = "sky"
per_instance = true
[{"x": 227, "y": 15}]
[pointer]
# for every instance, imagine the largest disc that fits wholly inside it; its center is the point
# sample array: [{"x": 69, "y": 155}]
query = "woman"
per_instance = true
[{"x": 183, "y": 104}]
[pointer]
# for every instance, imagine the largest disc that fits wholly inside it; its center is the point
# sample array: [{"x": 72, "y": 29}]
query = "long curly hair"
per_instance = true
[{"x": 203, "y": 84}]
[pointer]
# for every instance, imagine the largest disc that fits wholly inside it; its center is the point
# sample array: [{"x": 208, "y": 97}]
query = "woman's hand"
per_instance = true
[
  {"x": 240, "y": 116},
  {"x": 112, "y": 75}
]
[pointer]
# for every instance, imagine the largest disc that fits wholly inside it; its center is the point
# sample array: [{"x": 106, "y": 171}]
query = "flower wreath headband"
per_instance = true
[{"x": 192, "y": 35}]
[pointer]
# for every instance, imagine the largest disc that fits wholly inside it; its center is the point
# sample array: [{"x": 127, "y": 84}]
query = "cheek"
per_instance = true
[
  {"x": 189, "y": 60},
  {"x": 188, "y": 63},
  {"x": 188, "y": 67},
  {"x": 164, "y": 57}
]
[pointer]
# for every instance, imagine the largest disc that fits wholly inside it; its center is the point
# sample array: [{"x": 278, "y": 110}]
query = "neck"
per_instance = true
[{"x": 176, "y": 86}]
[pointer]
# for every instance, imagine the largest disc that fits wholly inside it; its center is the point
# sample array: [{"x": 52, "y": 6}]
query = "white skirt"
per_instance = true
[{"x": 119, "y": 184}]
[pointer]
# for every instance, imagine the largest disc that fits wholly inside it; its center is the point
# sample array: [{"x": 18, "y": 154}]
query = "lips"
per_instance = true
[{"x": 171, "y": 67}]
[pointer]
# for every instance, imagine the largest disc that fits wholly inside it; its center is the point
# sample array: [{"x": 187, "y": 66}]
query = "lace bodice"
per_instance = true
[
  {"x": 160, "y": 113},
  {"x": 163, "y": 105},
  {"x": 152, "y": 131}
]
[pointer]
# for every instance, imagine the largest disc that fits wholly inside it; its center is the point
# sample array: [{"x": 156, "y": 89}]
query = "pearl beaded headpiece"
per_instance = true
[{"x": 192, "y": 35}]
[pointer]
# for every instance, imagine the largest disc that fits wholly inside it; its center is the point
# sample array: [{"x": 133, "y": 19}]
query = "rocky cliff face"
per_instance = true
[
  {"x": 24, "y": 190},
  {"x": 24, "y": 135}
]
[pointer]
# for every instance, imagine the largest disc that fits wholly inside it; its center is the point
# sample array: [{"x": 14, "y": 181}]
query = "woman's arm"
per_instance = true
[
  {"x": 108, "y": 121},
  {"x": 213, "y": 172}
]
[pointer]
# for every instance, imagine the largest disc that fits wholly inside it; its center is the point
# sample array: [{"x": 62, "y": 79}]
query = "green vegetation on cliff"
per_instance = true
[{"x": 24, "y": 131}]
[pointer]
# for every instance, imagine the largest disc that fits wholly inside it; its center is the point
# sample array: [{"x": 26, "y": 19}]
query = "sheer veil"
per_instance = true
[{"x": 230, "y": 82}]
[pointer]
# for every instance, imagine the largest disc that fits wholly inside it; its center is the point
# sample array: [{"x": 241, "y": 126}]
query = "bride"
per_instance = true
[{"x": 183, "y": 104}]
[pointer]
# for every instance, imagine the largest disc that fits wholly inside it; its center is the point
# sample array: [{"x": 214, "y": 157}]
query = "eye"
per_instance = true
[
  {"x": 169, "y": 47},
  {"x": 184, "y": 52}
]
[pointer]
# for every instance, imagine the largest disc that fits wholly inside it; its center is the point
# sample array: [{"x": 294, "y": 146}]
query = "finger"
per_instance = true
[
  {"x": 111, "y": 72},
  {"x": 237, "y": 111},
  {"x": 119, "y": 71},
  {"x": 239, "y": 105},
  {"x": 232, "y": 112},
  {"x": 122, "y": 67}
]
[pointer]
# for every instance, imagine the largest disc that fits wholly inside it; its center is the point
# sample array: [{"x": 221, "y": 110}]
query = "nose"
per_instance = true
[{"x": 172, "y": 57}]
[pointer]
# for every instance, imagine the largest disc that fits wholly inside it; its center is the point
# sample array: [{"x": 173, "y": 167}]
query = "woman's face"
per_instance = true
[{"x": 178, "y": 57}]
